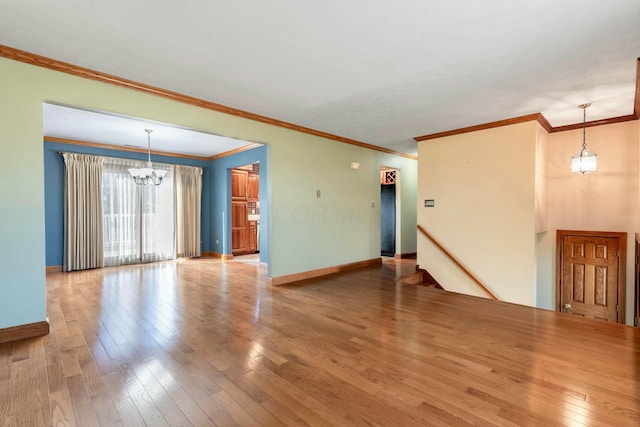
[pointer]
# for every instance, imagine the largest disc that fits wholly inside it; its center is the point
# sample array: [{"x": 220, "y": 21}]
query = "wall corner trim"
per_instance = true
[{"x": 21, "y": 332}]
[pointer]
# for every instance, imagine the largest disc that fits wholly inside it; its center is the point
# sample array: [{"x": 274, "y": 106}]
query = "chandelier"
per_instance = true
[
  {"x": 148, "y": 175},
  {"x": 584, "y": 161}
]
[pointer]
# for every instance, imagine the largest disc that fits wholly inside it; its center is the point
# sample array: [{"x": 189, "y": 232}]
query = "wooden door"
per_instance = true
[
  {"x": 239, "y": 228},
  {"x": 591, "y": 269}
]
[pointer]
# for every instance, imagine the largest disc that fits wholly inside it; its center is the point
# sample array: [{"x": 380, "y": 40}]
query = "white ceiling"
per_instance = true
[
  {"x": 82, "y": 125},
  {"x": 377, "y": 71}
]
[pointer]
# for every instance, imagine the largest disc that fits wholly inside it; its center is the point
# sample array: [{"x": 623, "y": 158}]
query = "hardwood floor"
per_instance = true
[{"x": 202, "y": 342}]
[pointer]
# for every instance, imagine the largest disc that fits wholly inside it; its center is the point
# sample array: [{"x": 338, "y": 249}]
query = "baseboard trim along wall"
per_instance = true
[
  {"x": 21, "y": 332},
  {"x": 209, "y": 254},
  {"x": 54, "y": 269},
  {"x": 408, "y": 255},
  {"x": 291, "y": 278}
]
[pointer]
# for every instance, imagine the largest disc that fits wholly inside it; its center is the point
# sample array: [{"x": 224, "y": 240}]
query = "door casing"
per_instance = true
[
  {"x": 622, "y": 265},
  {"x": 636, "y": 314}
]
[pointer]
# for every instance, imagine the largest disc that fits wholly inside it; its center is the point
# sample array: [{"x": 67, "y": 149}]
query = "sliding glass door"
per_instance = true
[
  {"x": 158, "y": 223},
  {"x": 138, "y": 220}
]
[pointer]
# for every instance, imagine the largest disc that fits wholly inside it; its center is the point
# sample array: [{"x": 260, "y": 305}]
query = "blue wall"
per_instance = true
[
  {"x": 54, "y": 192},
  {"x": 220, "y": 186}
]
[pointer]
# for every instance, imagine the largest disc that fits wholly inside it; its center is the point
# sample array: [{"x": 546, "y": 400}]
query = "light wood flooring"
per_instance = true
[{"x": 202, "y": 342}]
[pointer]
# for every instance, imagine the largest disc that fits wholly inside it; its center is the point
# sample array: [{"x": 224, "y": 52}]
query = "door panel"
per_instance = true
[
  {"x": 590, "y": 276},
  {"x": 239, "y": 179},
  {"x": 253, "y": 187},
  {"x": 239, "y": 227}
]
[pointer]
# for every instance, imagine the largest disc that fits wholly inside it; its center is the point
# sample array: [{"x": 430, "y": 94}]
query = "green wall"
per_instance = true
[
  {"x": 305, "y": 232},
  {"x": 22, "y": 292}
]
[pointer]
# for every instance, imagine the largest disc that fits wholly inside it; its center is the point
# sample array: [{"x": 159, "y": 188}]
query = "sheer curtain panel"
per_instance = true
[
  {"x": 121, "y": 214},
  {"x": 83, "y": 246},
  {"x": 158, "y": 218},
  {"x": 188, "y": 205},
  {"x": 138, "y": 219}
]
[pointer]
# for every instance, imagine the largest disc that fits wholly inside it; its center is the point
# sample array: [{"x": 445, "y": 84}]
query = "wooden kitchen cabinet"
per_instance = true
[
  {"x": 253, "y": 237},
  {"x": 253, "y": 187},
  {"x": 245, "y": 189},
  {"x": 239, "y": 228},
  {"x": 239, "y": 182}
]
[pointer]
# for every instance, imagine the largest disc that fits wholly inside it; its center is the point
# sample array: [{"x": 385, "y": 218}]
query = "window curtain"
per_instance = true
[
  {"x": 188, "y": 207},
  {"x": 138, "y": 220},
  {"x": 158, "y": 213},
  {"x": 83, "y": 244}
]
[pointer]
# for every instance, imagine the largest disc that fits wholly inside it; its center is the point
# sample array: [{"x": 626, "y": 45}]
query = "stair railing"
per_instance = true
[{"x": 456, "y": 262}]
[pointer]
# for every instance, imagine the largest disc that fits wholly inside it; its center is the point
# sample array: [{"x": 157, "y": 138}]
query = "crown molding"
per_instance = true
[
  {"x": 234, "y": 151},
  {"x": 544, "y": 123},
  {"x": 610, "y": 121},
  {"x": 143, "y": 151},
  {"x": 120, "y": 148},
  {"x": 87, "y": 73},
  {"x": 499, "y": 123}
]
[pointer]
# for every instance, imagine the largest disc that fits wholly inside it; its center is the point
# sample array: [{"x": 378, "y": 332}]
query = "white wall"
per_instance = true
[{"x": 483, "y": 184}]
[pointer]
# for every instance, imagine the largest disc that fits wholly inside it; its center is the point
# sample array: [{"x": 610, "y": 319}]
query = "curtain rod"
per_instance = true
[{"x": 135, "y": 160}]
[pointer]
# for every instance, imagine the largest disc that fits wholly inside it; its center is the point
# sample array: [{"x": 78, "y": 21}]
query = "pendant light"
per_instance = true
[
  {"x": 584, "y": 161},
  {"x": 148, "y": 175}
]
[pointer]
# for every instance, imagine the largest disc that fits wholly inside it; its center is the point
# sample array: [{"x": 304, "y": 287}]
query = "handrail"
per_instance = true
[{"x": 452, "y": 258}]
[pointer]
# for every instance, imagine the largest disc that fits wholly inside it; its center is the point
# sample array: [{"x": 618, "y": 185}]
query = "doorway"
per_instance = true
[
  {"x": 388, "y": 223},
  {"x": 245, "y": 209},
  {"x": 591, "y": 274}
]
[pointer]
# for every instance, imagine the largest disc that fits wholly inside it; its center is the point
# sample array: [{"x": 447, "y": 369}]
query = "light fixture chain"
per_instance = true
[
  {"x": 148, "y": 145},
  {"x": 584, "y": 128},
  {"x": 584, "y": 161},
  {"x": 147, "y": 176}
]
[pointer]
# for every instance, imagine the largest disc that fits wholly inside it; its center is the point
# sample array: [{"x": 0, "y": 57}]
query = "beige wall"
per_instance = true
[
  {"x": 545, "y": 270},
  {"x": 607, "y": 200},
  {"x": 541, "y": 161},
  {"x": 483, "y": 184},
  {"x": 501, "y": 194}
]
